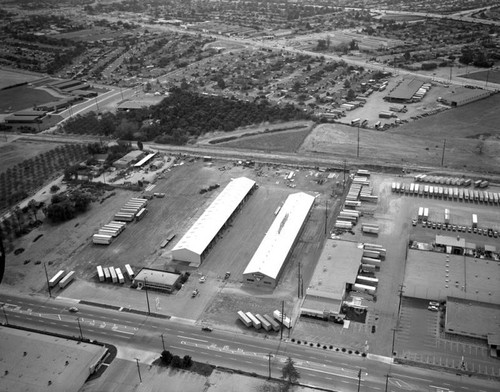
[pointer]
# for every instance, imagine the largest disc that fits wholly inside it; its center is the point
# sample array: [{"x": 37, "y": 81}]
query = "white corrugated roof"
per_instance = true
[
  {"x": 274, "y": 248},
  {"x": 211, "y": 221}
]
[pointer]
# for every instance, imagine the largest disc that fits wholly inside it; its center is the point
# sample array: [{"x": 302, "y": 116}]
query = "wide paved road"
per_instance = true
[{"x": 132, "y": 332}]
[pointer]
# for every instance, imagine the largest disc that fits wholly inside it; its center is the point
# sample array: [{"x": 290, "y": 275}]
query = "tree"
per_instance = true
[
  {"x": 166, "y": 357},
  {"x": 54, "y": 189},
  {"x": 140, "y": 146},
  {"x": 176, "y": 361},
  {"x": 32, "y": 204},
  {"x": 290, "y": 373},
  {"x": 186, "y": 362},
  {"x": 351, "y": 95},
  {"x": 221, "y": 84}
]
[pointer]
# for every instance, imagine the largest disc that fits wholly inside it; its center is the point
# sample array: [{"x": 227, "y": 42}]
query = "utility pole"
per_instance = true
[
  {"x": 282, "y": 315},
  {"x": 343, "y": 183},
  {"x": 147, "y": 296},
  {"x": 487, "y": 78},
  {"x": 442, "y": 155},
  {"x": 298, "y": 284},
  {"x": 162, "y": 342},
  {"x": 80, "y": 328},
  {"x": 5, "y": 315},
  {"x": 270, "y": 356},
  {"x": 47, "y": 277},
  {"x": 359, "y": 379},
  {"x": 357, "y": 152},
  {"x": 326, "y": 217},
  {"x": 138, "y": 369},
  {"x": 386, "y": 381},
  {"x": 96, "y": 105}
]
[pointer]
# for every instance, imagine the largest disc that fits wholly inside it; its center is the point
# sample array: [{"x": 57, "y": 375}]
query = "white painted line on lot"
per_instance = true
[
  {"x": 125, "y": 332},
  {"x": 325, "y": 372},
  {"x": 186, "y": 337}
]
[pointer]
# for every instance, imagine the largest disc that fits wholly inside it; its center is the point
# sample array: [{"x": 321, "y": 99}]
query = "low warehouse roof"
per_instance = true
[
  {"x": 435, "y": 276},
  {"x": 272, "y": 252},
  {"x": 203, "y": 231},
  {"x": 157, "y": 277}
]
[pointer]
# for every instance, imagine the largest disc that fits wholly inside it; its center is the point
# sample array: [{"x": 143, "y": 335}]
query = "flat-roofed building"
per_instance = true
[
  {"x": 436, "y": 276},
  {"x": 35, "y": 362},
  {"x": 268, "y": 261},
  {"x": 463, "y": 96},
  {"x": 405, "y": 91},
  {"x": 156, "y": 279},
  {"x": 333, "y": 278},
  {"x": 475, "y": 320},
  {"x": 126, "y": 160},
  {"x": 195, "y": 244}
]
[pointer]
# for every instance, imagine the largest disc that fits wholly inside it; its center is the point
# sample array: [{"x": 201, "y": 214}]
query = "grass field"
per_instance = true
[
  {"x": 286, "y": 141},
  {"x": 16, "y": 152},
  {"x": 10, "y": 78},
  {"x": 22, "y": 97},
  {"x": 492, "y": 76}
]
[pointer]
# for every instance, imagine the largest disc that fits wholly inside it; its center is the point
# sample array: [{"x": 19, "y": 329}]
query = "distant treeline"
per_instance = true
[{"x": 183, "y": 116}]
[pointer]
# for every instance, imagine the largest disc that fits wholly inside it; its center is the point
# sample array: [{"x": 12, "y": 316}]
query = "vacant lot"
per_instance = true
[
  {"x": 472, "y": 141},
  {"x": 22, "y": 97},
  {"x": 490, "y": 76},
  {"x": 17, "y": 151},
  {"x": 13, "y": 77}
]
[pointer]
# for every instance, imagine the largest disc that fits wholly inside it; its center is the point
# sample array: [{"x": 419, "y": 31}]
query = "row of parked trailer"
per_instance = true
[
  {"x": 134, "y": 209},
  {"x": 114, "y": 275},
  {"x": 108, "y": 232},
  {"x": 455, "y": 181},
  {"x": 62, "y": 279},
  {"x": 446, "y": 192},
  {"x": 266, "y": 322}
]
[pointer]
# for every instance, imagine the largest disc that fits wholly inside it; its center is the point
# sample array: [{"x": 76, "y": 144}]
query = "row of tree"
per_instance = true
[
  {"x": 21, "y": 180},
  {"x": 65, "y": 206}
]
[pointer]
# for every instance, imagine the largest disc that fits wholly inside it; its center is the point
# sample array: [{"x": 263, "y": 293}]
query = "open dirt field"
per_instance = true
[
  {"x": 421, "y": 142},
  {"x": 17, "y": 151},
  {"x": 492, "y": 76},
  {"x": 22, "y": 97},
  {"x": 13, "y": 77}
]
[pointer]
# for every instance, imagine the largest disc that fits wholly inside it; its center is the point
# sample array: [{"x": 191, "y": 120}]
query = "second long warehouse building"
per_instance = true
[{"x": 266, "y": 265}]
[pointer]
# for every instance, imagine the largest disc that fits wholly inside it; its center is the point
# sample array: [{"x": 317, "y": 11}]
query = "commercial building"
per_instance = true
[
  {"x": 475, "y": 320},
  {"x": 156, "y": 280},
  {"x": 462, "y": 96},
  {"x": 195, "y": 244},
  {"x": 144, "y": 160},
  {"x": 333, "y": 278},
  {"x": 405, "y": 91},
  {"x": 128, "y": 159},
  {"x": 268, "y": 261},
  {"x": 34, "y": 362},
  {"x": 436, "y": 276}
]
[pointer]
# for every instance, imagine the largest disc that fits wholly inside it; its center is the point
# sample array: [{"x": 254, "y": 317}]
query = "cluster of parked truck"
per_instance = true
[
  {"x": 266, "y": 322},
  {"x": 423, "y": 217},
  {"x": 114, "y": 275},
  {"x": 107, "y": 232},
  {"x": 134, "y": 209},
  {"x": 462, "y": 194},
  {"x": 455, "y": 181}
]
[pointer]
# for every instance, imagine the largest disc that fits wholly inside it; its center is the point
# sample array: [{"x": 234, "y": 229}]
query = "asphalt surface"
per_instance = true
[{"x": 135, "y": 334}]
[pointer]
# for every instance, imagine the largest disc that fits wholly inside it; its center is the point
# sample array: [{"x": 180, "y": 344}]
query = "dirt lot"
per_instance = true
[
  {"x": 22, "y": 97},
  {"x": 13, "y": 77},
  {"x": 139, "y": 244},
  {"x": 421, "y": 142},
  {"x": 16, "y": 151}
]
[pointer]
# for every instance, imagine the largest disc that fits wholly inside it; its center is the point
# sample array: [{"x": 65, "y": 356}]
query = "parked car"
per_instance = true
[
  {"x": 73, "y": 309},
  {"x": 433, "y": 308},
  {"x": 206, "y": 329}
]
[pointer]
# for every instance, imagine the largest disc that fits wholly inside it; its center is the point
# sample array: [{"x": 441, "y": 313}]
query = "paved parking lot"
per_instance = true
[{"x": 418, "y": 338}]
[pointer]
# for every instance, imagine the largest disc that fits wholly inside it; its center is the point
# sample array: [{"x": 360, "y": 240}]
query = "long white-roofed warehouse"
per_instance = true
[
  {"x": 266, "y": 265},
  {"x": 195, "y": 244}
]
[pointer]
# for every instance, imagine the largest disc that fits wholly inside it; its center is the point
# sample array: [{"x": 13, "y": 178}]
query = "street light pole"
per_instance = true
[
  {"x": 147, "y": 296},
  {"x": 359, "y": 379},
  {"x": 162, "y": 342},
  {"x": 5, "y": 315},
  {"x": 270, "y": 356},
  {"x": 357, "y": 152},
  {"x": 80, "y": 328},
  {"x": 47, "y": 276},
  {"x": 138, "y": 369}
]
